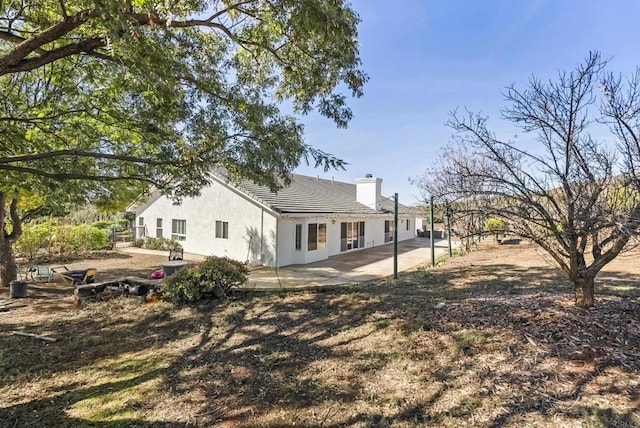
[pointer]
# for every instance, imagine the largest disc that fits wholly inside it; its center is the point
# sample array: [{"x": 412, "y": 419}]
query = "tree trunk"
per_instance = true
[
  {"x": 8, "y": 269},
  {"x": 583, "y": 288}
]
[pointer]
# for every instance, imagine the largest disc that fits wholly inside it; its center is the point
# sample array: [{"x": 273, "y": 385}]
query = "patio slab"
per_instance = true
[{"x": 355, "y": 266}]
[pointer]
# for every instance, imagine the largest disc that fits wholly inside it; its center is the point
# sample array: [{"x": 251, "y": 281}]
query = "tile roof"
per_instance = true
[{"x": 314, "y": 195}]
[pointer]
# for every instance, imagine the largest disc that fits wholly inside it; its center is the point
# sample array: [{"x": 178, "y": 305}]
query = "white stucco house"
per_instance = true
[{"x": 308, "y": 221}]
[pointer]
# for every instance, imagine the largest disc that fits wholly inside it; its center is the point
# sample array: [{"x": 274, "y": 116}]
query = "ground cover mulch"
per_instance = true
[{"x": 489, "y": 339}]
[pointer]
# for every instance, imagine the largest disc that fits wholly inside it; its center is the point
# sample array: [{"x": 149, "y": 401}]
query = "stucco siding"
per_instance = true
[
  {"x": 254, "y": 233},
  {"x": 374, "y": 236},
  {"x": 250, "y": 228}
]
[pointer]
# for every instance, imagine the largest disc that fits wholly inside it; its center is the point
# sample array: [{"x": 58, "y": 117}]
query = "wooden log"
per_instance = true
[
  {"x": 87, "y": 290},
  {"x": 7, "y": 308},
  {"x": 36, "y": 336}
]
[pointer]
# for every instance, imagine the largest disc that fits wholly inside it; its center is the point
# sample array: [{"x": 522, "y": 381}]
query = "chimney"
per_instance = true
[{"x": 368, "y": 191}]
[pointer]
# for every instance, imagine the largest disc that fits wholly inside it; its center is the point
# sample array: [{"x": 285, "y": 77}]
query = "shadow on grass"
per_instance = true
[{"x": 316, "y": 356}]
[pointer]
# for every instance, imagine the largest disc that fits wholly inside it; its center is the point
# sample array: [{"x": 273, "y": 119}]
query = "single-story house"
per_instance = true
[{"x": 308, "y": 221}]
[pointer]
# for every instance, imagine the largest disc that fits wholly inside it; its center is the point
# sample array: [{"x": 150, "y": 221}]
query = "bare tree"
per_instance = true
[
  {"x": 456, "y": 189},
  {"x": 574, "y": 196}
]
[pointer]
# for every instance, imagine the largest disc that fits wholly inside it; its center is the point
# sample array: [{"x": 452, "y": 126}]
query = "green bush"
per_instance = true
[
  {"x": 119, "y": 224},
  {"x": 137, "y": 243},
  {"x": 212, "y": 278},
  {"x": 102, "y": 224},
  {"x": 73, "y": 240},
  {"x": 64, "y": 240},
  {"x": 160, "y": 244},
  {"x": 33, "y": 238}
]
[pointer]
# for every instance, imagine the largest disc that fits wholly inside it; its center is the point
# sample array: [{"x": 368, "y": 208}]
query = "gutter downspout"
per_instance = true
[
  {"x": 261, "y": 235},
  {"x": 277, "y": 227}
]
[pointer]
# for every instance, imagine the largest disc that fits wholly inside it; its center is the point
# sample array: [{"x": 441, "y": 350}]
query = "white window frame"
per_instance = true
[
  {"x": 314, "y": 229},
  {"x": 222, "y": 229},
  {"x": 388, "y": 235},
  {"x": 297, "y": 243},
  {"x": 178, "y": 229},
  {"x": 159, "y": 231}
]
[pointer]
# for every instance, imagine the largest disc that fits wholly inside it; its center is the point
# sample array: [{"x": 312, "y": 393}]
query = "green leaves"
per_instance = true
[{"x": 117, "y": 93}]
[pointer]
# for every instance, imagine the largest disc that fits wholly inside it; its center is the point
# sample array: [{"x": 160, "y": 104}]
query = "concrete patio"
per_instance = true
[{"x": 363, "y": 265}]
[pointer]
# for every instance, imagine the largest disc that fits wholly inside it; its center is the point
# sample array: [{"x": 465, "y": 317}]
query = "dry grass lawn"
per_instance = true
[{"x": 486, "y": 340}]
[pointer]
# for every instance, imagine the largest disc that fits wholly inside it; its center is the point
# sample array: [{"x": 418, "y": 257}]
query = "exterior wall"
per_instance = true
[
  {"x": 288, "y": 255},
  {"x": 374, "y": 236},
  {"x": 254, "y": 232},
  {"x": 251, "y": 228}
]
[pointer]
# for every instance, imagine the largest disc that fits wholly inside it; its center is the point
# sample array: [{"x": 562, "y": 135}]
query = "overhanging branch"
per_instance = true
[{"x": 84, "y": 154}]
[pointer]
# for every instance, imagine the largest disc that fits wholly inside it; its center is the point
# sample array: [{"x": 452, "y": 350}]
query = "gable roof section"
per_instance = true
[{"x": 311, "y": 195}]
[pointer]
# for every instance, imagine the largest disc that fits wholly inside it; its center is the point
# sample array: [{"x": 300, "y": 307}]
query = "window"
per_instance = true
[
  {"x": 408, "y": 223},
  {"x": 158, "y": 228},
  {"x": 388, "y": 230},
  {"x": 298, "y": 237},
  {"x": 141, "y": 229},
  {"x": 312, "y": 238},
  {"x": 351, "y": 235},
  {"x": 322, "y": 235},
  {"x": 317, "y": 237},
  {"x": 222, "y": 229},
  {"x": 179, "y": 229}
]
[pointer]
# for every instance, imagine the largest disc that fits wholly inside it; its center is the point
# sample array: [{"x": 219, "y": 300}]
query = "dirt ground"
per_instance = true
[
  {"x": 56, "y": 296},
  {"x": 489, "y": 339}
]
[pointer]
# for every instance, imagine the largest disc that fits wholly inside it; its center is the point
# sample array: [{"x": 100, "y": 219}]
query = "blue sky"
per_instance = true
[{"x": 427, "y": 57}]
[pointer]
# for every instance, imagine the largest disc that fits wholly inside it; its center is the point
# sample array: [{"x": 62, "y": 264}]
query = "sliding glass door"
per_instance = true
[{"x": 351, "y": 235}]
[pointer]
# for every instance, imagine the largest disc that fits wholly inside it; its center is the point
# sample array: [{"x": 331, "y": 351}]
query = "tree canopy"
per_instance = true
[
  {"x": 104, "y": 98},
  {"x": 574, "y": 195},
  {"x": 154, "y": 91}
]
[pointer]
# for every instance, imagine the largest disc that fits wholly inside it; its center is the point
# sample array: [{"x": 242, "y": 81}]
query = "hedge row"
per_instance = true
[{"x": 59, "y": 240}]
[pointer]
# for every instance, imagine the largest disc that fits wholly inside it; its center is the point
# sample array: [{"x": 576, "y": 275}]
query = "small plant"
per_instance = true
[
  {"x": 161, "y": 244},
  {"x": 138, "y": 243},
  {"x": 154, "y": 244},
  {"x": 212, "y": 278}
]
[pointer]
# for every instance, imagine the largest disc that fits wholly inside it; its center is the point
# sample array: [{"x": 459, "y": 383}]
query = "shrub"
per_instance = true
[
  {"x": 102, "y": 224},
  {"x": 90, "y": 238},
  {"x": 117, "y": 223},
  {"x": 64, "y": 240},
  {"x": 137, "y": 243},
  {"x": 160, "y": 244},
  {"x": 212, "y": 278},
  {"x": 72, "y": 240},
  {"x": 33, "y": 238},
  {"x": 153, "y": 243}
]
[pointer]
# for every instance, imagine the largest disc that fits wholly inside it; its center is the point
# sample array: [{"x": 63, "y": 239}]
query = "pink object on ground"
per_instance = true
[{"x": 157, "y": 274}]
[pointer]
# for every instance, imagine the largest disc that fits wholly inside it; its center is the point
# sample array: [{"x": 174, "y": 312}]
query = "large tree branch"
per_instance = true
[
  {"x": 61, "y": 176},
  {"x": 18, "y": 59},
  {"x": 40, "y": 118},
  {"x": 32, "y": 63},
  {"x": 14, "y": 38},
  {"x": 35, "y": 42},
  {"x": 84, "y": 154}
]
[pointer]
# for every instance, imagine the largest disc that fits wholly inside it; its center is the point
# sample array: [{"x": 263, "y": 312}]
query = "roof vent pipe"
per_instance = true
[{"x": 369, "y": 176}]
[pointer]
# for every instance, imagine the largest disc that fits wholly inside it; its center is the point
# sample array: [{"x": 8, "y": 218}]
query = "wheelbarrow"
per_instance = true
[{"x": 78, "y": 276}]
